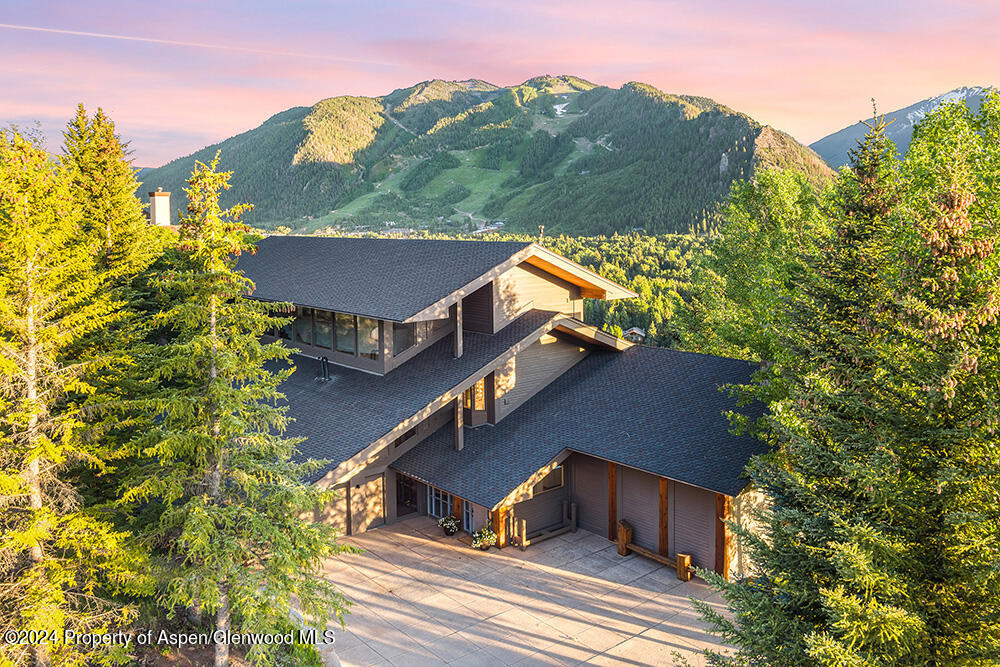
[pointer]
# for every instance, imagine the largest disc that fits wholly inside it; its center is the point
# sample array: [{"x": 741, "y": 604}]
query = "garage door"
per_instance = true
[
  {"x": 639, "y": 504},
  {"x": 590, "y": 492},
  {"x": 692, "y": 515},
  {"x": 367, "y": 509}
]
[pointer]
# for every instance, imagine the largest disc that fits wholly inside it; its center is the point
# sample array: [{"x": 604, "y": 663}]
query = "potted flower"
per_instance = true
[
  {"x": 449, "y": 524},
  {"x": 484, "y": 538}
]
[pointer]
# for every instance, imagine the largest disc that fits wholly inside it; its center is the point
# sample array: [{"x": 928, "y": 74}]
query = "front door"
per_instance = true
[{"x": 406, "y": 495}]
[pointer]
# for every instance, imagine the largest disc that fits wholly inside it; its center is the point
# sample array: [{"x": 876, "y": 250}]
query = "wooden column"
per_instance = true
[
  {"x": 612, "y": 503},
  {"x": 347, "y": 509},
  {"x": 456, "y": 510},
  {"x": 664, "y": 542},
  {"x": 459, "y": 424},
  {"x": 722, "y": 534},
  {"x": 491, "y": 398},
  {"x": 456, "y": 317},
  {"x": 499, "y": 520}
]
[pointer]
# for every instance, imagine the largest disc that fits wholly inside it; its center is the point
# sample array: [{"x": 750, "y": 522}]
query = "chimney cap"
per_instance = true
[{"x": 159, "y": 193}]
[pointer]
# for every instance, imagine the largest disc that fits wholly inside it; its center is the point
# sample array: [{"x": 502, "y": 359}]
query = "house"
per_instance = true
[
  {"x": 458, "y": 377},
  {"x": 634, "y": 334}
]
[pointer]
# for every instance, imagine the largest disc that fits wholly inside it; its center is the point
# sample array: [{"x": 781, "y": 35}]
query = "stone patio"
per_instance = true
[{"x": 425, "y": 599}]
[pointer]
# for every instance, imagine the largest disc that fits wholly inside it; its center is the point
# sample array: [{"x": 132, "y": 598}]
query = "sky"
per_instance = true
[{"x": 180, "y": 75}]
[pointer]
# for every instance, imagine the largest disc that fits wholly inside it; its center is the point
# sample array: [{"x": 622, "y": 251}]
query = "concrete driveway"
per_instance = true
[{"x": 425, "y": 599}]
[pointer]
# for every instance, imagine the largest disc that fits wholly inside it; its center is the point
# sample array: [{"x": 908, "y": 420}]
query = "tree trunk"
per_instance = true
[
  {"x": 32, "y": 473},
  {"x": 222, "y": 625}
]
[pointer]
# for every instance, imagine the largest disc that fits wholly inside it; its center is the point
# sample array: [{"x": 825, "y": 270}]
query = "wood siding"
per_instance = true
[
  {"x": 526, "y": 286},
  {"x": 532, "y": 369},
  {"x": 335, "y": 513},
  {"x": 367, "y": 500},
  {"x": 639, "y": 504},
  {"x": 542, "y": 511},
  {"x": 692, "y": 517},
  {"x": 478, "y": 309},
  {"x": 589, "y": 490}
]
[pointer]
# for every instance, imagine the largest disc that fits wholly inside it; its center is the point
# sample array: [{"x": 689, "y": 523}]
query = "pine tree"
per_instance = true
[
  {"x": 883, "y": 533},
  {"x": 104, "y": 186},
  {"x": 125, "y": 246},
  {"x": 232, "y": 495},
  {"x": 58, "y": 562}
]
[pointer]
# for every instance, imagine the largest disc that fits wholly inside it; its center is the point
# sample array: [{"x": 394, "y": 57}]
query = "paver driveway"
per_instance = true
[{"x": 425, "y": 599}]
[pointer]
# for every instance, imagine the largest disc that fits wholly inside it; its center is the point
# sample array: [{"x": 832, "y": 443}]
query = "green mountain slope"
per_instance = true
[{"x": 464, "y": 155}]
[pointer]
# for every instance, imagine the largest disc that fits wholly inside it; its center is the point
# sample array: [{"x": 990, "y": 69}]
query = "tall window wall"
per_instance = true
[{"x": 349, "y": 334}]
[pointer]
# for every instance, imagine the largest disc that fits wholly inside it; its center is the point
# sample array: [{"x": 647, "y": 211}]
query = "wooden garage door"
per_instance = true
[
  {"x": 367, "y": 509},
  {"x": 639, "y": 504},
  {"x": 692, "y": 517},
  {"x": 590, "y": 492}
]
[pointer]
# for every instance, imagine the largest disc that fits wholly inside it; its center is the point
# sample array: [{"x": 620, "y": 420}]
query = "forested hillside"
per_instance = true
[{"x": 467, "y": 155}]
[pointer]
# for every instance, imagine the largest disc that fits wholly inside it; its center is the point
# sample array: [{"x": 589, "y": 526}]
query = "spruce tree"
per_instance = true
[
  {"x": 104, "y": 186},
  {"x": 58, "y": 563},
  {"x": 232, "y": 496},
  {"x": 882, "y": 539}
]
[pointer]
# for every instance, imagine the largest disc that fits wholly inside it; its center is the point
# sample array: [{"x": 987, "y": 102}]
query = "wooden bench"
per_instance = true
[{"x": 625, "y": 546}]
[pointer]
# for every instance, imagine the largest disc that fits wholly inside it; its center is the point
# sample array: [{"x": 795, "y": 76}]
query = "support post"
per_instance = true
[
  {"x": 459, "y": 424},
  {"x": 624, "y": 537},
  {"x": 456, "y": 317},
  {"x": 684, "y": 567},
  {"x": 663, "y": 546},
  {"x": 524, "y": 534},
  {"x": 722, "y": 534}
]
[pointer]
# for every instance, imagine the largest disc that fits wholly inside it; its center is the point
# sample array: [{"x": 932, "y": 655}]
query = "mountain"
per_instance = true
[
  {"x": 461, "y": 155},
  {"x": 833, "y": 148}
]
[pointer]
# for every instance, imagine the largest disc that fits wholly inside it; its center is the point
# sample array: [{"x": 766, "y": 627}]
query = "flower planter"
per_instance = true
[{"x": 449, "y": 531}]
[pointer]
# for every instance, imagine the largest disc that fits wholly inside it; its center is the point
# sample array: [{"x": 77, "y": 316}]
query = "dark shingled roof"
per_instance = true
[
  {"x": 353, "y": 409},
  {"x": 654, "y": 409},
  {"x": 390, "y": 279}
]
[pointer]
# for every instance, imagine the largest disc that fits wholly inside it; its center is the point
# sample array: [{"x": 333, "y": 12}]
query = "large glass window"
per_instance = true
[
  {"x": 304, "y": 326},
  {"x": 368, "y": 341},
  {"x": 324, "y": 329},
  {"x": 346, "y": 333},
  {"x": 551, "y": 482},
  {"x": 438, "y": 502},
  {"x": 468, "y": 516},
  {"x": 403, "y": 337}
]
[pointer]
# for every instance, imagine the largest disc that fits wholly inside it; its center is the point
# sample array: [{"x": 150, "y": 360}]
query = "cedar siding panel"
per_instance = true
[
  {"x": 525, "y": 286},
  {"x": 692, "y": 520},
  {"x": 590, "y": 492},
  {"x": 542, "y": 511},
  {"x": 533, "y": 369},
  {"x": 367, "y": 500},
  {"x": 478, "y": 308},
  {"x": 639, "y": 504}
]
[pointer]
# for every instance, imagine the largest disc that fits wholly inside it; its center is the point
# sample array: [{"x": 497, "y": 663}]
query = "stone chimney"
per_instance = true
[{"x": 159, "y": 207}]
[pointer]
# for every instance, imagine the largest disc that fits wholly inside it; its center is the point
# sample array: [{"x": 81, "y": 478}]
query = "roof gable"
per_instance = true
[
  {"x": 391, "y": 279},
  {"x": 401, "y": 280}
]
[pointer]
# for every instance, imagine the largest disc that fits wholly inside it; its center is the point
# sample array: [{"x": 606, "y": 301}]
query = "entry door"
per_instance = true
[{"x": 406, "y": 495}]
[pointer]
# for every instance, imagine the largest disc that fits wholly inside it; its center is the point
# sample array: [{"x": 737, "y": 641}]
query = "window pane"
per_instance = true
[
  {"x": 304, "y": 326},
  {"x": 368, "y": 343},
  {"x": 324, "y": 329},
  {"x": 403, "y": 336},
  {"x": 345, "y": 333}
]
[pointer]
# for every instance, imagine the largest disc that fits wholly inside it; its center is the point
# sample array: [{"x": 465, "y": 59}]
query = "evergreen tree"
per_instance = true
[
  {"x": 104, "y": 187},
  {"x": 58, "y": 562},
  {"x": 882, "y": 538},
  {"x": 231, "y": 494}
]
